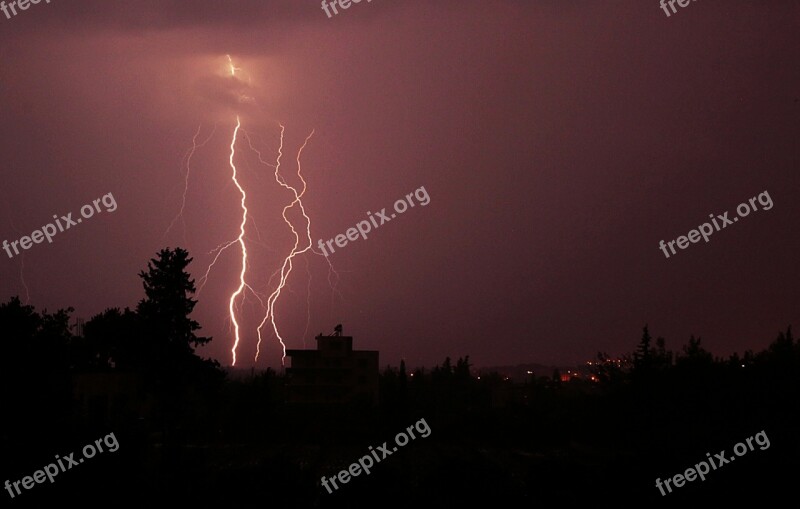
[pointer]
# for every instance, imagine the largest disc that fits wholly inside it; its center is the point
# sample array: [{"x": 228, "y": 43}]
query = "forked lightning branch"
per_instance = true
[{"x": 302, "y": 242}]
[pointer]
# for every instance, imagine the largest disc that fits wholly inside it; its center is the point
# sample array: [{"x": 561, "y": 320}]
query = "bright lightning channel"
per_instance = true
[
  {"x": 232, "y": 67},
  {"x": 242, "y": 283},
  {"x": 287, "y": 266}
]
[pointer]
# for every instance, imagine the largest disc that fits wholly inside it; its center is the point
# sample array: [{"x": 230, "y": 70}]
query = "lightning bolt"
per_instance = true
[
  {"x": 240, "y": 239},
  {"x": 232, "y": 67},
  {"x": 287, "y": 265},
  {"x": 302, "y": 242},
  {"x": 218, "y": 250},
  {"x": 22, "y": 279},
  {"x": 188, "y": 157},
  {"x": 21, "y": 255}
]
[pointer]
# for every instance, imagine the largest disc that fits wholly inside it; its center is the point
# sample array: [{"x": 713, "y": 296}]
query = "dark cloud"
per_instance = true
[{"x": 149, "y": 15}]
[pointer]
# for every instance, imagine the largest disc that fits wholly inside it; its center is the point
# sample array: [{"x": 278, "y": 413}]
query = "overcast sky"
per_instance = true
[{"x": 558, "y": 142}]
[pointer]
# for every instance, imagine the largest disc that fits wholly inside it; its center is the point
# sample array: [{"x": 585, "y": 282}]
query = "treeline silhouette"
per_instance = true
[{"x": 189, "y": 434}]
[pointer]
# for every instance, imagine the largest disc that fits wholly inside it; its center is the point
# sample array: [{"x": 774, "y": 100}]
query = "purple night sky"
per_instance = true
[{"x": 559, "y": 142}]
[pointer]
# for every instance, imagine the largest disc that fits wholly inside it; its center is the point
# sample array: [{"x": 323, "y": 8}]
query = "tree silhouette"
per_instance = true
[
  {"x": 180, "y": 379},
  {"x": 783, "y": 346},
  {"x": 662, "y": 358},
  {"x": 642, "y": 357},
  {"x": 461, "y": 372},
  {"x": 34, "y": 382},
  {"x": 112, "y": 339},
  {"x": 694, "y": 354},
  {"x": 402, "y": 385},
  {"x": 166, "y": 308}
]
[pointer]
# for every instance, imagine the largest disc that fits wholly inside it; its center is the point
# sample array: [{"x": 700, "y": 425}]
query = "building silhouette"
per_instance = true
[{"x": 333, "y": 374}]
